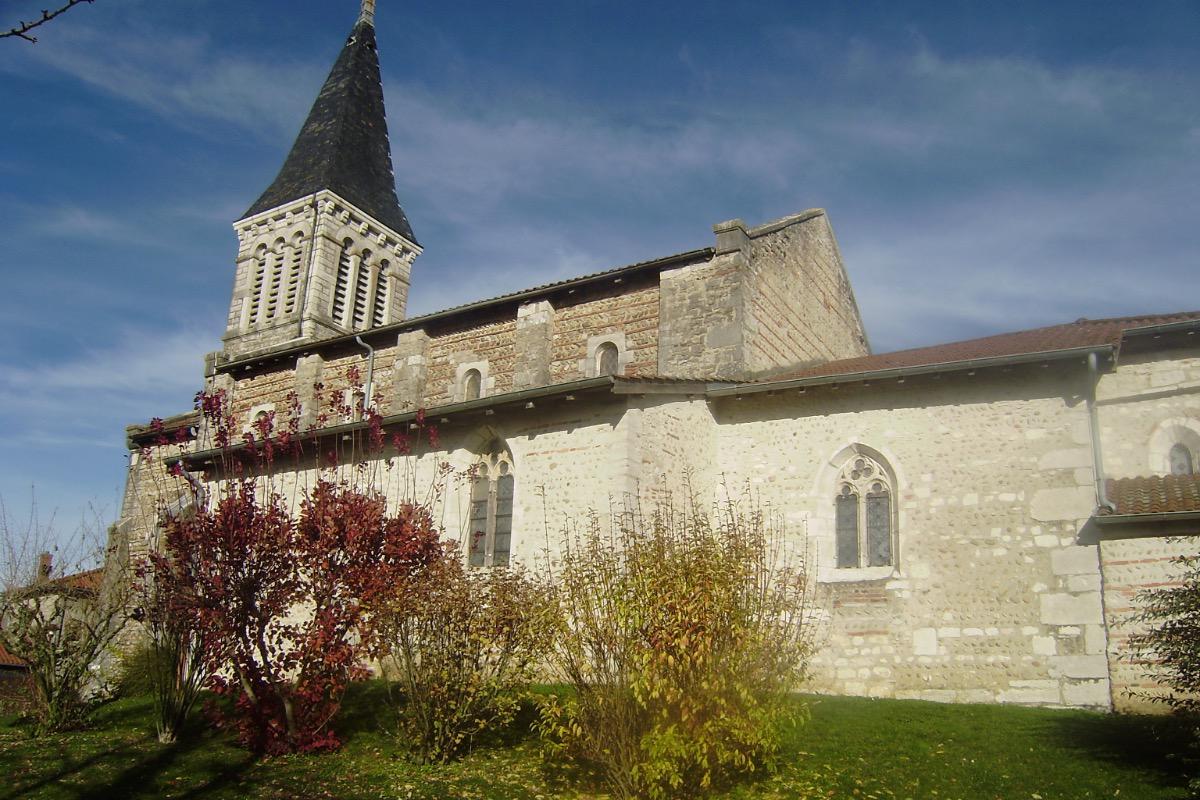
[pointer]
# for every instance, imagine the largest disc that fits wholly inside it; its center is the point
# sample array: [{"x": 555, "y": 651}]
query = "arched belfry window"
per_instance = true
[
  {"x": 341, "y": 287},
  {"x": 864, "y": 514},
  {"x": 1180, "y": 459},
  {"x": 379, "y": 307},
  {"x": 607, "y": 359},
  {"x": 492, "y": 488},
  {"x": 472, "y": 384}
]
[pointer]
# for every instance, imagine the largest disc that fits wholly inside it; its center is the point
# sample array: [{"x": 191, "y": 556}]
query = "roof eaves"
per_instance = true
[
  {"x": 919, "y": 369},
  {"x": 200, "y": 459}
]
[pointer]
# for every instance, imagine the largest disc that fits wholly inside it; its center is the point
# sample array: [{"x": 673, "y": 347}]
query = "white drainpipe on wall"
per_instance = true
[
  {"x": 370, "y": 372},
  {"x": 1102, "y": 501}
]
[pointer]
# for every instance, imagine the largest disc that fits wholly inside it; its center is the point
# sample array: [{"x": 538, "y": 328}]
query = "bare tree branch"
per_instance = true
[{"x": 23, "y": 28}]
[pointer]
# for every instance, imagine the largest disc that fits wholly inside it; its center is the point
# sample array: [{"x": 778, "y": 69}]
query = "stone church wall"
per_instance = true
[
  {"x": 1148, "y": 403},
  {"x": 631, "y": 315},
  {"x": 800, "y": 307},
  {"x": 991, "y": 600}
]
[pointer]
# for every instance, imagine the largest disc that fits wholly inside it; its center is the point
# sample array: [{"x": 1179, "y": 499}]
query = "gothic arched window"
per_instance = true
[
  {"x": 864, "y": 515},
  {"x": 472, "y": 384},
  {"x": 607, "y": 359},
  {"x": 490, "y": 528},
  {"x": 1180, "y": 459}
]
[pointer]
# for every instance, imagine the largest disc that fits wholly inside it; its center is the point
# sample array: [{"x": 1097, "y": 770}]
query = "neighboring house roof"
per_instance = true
[
  {"x": 343, "y": 145},
  {"x": 7, "y": 659},
  {"x": 1154, "y": 494},
  {"x": 1052, "y": 338}
]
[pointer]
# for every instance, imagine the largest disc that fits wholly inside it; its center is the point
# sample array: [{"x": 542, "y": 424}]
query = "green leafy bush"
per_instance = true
[
  {"x": 681, "y": 635},
  {"x": 462, "y": 645}
]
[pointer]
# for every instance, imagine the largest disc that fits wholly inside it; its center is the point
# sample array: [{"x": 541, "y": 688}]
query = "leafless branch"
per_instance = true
[{"x": 22, "y": 29}]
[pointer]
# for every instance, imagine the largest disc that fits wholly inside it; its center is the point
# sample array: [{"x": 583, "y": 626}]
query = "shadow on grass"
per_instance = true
[{"x": 1155, "y": 744}]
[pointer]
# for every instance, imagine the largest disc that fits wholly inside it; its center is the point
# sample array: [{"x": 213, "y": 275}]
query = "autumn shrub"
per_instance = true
[
  {"x": 461, "y": 647},
  {"x": 269, "y": 591},
  {"x": 682, "y": 634},
  {"x": 1169, "y": 646},
  {"x": 285, "y": 608}
]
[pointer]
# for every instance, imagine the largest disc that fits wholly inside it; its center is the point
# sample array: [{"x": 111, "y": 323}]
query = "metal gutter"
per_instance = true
[
  {"x": 1161, "y": 516},
  {"x": 921, "y": 369},
  {"x": 526, "y": 294},
  {"x": 199, "y": 459},
  {"x": 1183, "y": 325}
]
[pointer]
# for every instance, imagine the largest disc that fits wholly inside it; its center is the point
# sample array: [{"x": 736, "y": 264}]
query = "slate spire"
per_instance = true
[{"x": 343, "y": 145}]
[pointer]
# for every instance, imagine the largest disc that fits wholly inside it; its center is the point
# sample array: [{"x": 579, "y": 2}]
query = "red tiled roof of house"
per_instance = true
[
  {"x": 1081, "y": 333},
  {"x": 1154, "y": 494},
  {"x": 88, "y": 581},
  {"x": 7, "y": 659}
]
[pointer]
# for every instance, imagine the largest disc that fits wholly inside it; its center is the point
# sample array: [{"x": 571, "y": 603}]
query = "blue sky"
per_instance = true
[{"x": 987, "y": 167}]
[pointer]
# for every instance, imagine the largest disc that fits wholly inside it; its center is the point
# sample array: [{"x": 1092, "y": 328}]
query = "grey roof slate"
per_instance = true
[{"x": 343, "y": 145}]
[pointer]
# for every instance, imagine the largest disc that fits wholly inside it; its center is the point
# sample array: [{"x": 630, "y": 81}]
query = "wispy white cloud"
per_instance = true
[{"x": 185, "y": 77}]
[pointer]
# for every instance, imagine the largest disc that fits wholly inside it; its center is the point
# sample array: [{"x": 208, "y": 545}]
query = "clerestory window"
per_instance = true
[
  {"x": 490, "y": 529},
  {"x": 1180, "y": 459},
  {"x": 472, "y": 383},
  {"x": 864, "y": 515},
  {"x": 607, "y": 359}
]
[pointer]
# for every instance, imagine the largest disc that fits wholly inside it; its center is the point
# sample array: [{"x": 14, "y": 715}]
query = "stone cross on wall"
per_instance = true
[{"x": 367, "y": 14}]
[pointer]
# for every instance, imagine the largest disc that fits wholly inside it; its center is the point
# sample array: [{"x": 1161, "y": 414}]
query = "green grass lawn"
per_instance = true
[{"x": 850, "y": 748}]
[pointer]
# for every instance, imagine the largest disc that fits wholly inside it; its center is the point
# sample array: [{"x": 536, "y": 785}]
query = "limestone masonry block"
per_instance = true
[
  {"x": 1075, "y": 502},
  {"x": 1076, "y": 561},
  {"x": 925, "y": 642},
  {"x": 1070, "y": 609}
]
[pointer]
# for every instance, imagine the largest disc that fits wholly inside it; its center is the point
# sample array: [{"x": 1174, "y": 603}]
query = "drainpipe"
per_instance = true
[
  {"x": 197, "y": 486},
  {"x": 370, "y": 372},
  {"x": 1102, "y": 500}
]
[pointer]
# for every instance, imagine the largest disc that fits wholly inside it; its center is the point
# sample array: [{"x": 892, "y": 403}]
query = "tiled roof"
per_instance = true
[
  {"x": 1081, "y": 333},
  {"x": 1154, "y": 494},
  {"x": 343, "y": 145},
  {"x": 7, "y": 659}
]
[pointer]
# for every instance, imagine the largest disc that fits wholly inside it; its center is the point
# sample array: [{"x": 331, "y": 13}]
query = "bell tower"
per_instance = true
[{"x": 326, "y": 250}]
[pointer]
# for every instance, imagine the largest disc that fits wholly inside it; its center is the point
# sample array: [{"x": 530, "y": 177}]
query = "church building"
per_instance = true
[{"x": 979, "y": 514}]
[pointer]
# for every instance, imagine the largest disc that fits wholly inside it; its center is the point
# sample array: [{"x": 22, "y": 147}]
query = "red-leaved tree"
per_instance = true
[{"x": 285, "y": 607}]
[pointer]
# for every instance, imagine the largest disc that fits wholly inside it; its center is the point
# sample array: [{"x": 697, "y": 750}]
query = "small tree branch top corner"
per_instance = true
[{"x": 22, "y": 29}]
